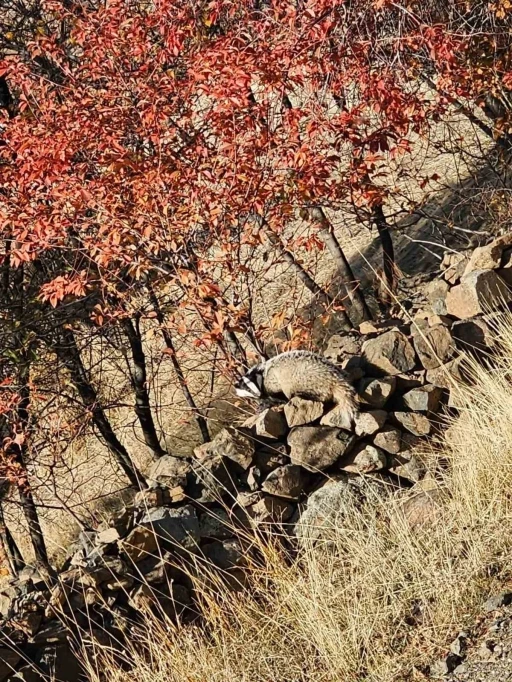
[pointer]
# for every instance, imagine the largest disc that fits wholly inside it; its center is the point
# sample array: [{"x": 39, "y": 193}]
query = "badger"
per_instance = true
[{"x": 298, "y": 373}]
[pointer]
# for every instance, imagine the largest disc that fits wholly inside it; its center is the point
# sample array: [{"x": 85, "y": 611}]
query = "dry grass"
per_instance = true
[{"x": 377, "y": 600}]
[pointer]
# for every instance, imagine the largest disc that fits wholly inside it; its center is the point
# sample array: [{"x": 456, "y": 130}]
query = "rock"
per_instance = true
[
  {"x": 212, "y": 479},
  {"x": 269, "y": 509},
  {"x": 6, "y": 605},
  {"x": 270, "y": 423},
  {"x": 338, "y": 418},
  {"x": 216, "y": 524},
  {"x": 455, "y": 271},
  {"x": 406, "y": 382},
  {"x": 179, "y": 526},
  {"x": 405, "y": 465},
  {"x": 353, "y": 368},
  {"x": 434, "y": 346},
  {"x": 299, "y": 411},
  {"x": 473, "y": 335},
  {"x": 170, "y": 471},
  {"x": 445, "y": 375},
  {"x": 338, "y": 347},
  {"x": 326, "y": 508},
  {"x": 268, "y": 459},
  {"x": 488, "y": 257},
  {"x": 26, "y": 673},
  {"x": 478, "y": 292},
  {"x": 28, "y": 622},
  {"x": 153, "y": 496},
  {"x": 139, "y": 543},
  {"x": 391, "y": 353},
  {"x": 8, "y": 661},
  {"x": 436, "y": 292},
  {"x": 460, "y": 644},
  {"x": 365, "y": 459},
  {"x": 368, "y": 423},
  {"x": 389, "y": 440},
  {"x": 254, "y": 478},
  {"x": 498, "y": 601},
  {"x": 108, "y": 536},
  {"x": 317, "y": 447},
  {"x": 231, "y": 444},
  {"x": 287, "y": 481},
  {"x": 415, "y": 423},
  {"x": 171, "y": 598},
  {"x": 421, "y": 508},
  {"x": 445, "y": 665},
  {"x": 226, "y": 554},
  {"x": 423, "y": 399},
  {"x": 376, "y": 392}
]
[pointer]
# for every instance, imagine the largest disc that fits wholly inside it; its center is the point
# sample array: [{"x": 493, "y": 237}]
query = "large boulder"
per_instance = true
[
  {"x": 473, "y": 335},
  {"x": 317, "y": 447},
  {"x": 390, "y": 353},
  {"x": 478, "y": 292},
  {"x": 337, "y": 499}
]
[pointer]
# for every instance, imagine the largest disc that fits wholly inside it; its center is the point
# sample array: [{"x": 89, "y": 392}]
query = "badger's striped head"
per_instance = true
[{"x": 251, "y": 384}]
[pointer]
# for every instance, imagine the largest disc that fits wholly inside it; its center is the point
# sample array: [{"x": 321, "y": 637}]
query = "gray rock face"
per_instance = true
[
  {"x": 415, "y": 423},
  {"x": 368, "y": 423},
  {"x": 327, "y": 507},
  {"x": 423, "y": 399},
  {"x": 287, "y": 481},
  {"x": 213, "y": 481},
  {"x": 389, "y": 440},
  {"x": 231, "y": 444},
  {"x": 170, "y": 471},
  {"x": 376, "y": 392},
  {"x": 473, "y": 335},
  {"x": 179, "y": 527},
  {"x": 406, "y": 466},
  {"x": 269, "y": 509},
  {"x": 270, "y": 423},
  {"x": 434, "y": 346},
  {"x": 317, "y": 447},
  {"x": 337, "y": 417},
  {"x": 478, "y": 292},
  {"x": 364, "y": 459},
  {"x": 391, "y": 353},
  {"x": 488, "y": 257},
  {"x": 138, "y": 544},
  {"x": 299, "y": 411},
  {"x": 445, "y": 375},
  {"x": 436, "y": 292},
  {"x": 226, "y": 554},
  {"x": 215, "y": 524}
]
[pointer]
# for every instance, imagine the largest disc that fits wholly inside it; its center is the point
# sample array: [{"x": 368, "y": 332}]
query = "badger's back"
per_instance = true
[{"x": 305, "y": 374}]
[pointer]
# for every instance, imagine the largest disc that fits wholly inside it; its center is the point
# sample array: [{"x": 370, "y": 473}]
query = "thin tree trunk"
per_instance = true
[
  {"x": 200, "y": 419},
  {"x": 388, "y": 253},
  {"x": 9, "y": 548},
  {"x": 25, "y": 489},
  {"x": 69, "y": 354},
  {"x": 138, "y": 376},
  {"x": 352, "y": 286}
]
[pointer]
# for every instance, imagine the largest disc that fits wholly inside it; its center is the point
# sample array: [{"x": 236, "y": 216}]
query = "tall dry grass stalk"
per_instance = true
[{"x": 376, "y": 600}]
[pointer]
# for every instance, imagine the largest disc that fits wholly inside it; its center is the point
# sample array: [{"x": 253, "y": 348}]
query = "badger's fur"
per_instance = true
[{"x": 299, "y": 373}]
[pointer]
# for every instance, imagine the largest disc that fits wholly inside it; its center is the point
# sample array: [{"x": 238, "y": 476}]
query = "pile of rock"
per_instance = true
[{"x": 288, "y": 464}]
